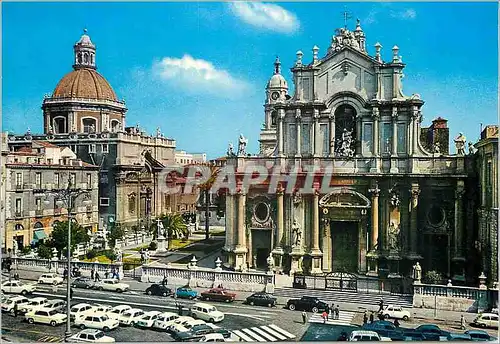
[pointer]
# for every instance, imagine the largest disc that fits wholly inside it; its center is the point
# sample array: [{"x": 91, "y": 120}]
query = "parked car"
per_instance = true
[
  {"x": 206, "y": 312},
  {"x": 364, "y": 336},
  {"x": 212, "y": 337},
  {"x": 16, "y": 287},
  {"x": 456, "y": 337},
  {"x": 131, "y": 316},
  {"x": 83, "y": 282},
  {"x": 261, "y": 299},
  {"x": 46, "y": 316},
  {"x": 175, "y": 328},
  {"x": 478, "y": 335},
  {"x": 218, "y": 294},
  {"x": 98, "y": 321},
  {"x": 165, "y": 320},
  {"x": 112, "y": 285},
  {"x": 117, "y": 311},
  {"x": 100, "y": 308},
  {"x": 198, "y": 331},
  {"x": 34, "y": 304},
  {"x": 90, "y": 336},
  {"x": 186, "y": 293},
  {"x": 8, "y": 305},
  {"x": 147, "y": 319},
  {"x": 395, "y": 312},
  {"x": 307, "y": 303},
  {"x": 412, "y": 335},
  {"x": 159, "y": 290},
  {"x": 385, "y": 329},
  {"x": 57, "y": 304},
  {"x": 432, "y": 332},
  {"x": 179, "y": 321},
  {"x": 80, "y": 309},
  {"x": 50, "y": 279},
  {"x": 486, "y": 320}
]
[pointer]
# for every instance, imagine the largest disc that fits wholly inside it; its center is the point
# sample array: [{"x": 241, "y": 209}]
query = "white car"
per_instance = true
[
  {"x": 364, "y": 336},
  {"x": 117, "y": 311},
  {"x": 16, "y": 287},
  {"x": 165, "y": 320},
  {"x": 98, "y": 321},
  {"x": 46, "y": 316},
  {"x": 147, "y": 319},
  {"x": 35, "y": 304},
  {"x": 180, "y": 320},
  {"x": 177, "y": 328},
  {"x": 190, "y": 323},
  {"x": 8, "y": 305},
  {"x": 98, "y": 308},
  {"x": 212, "y": 337},
  {"x": 112, "y": 285},
  {"x": 90, "y": 336},
  {"x": 131, "y": 316},
  {"x": 487, "y": 320},
  {"x": 50, "y": 279},
  {"x": 80, "y": 309},
  {"x": 206, "y": 312},
  {"x": 396, "y": 312}
]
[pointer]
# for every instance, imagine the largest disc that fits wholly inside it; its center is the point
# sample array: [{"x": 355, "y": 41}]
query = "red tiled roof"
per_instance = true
[{"x": 46, "y": 144}]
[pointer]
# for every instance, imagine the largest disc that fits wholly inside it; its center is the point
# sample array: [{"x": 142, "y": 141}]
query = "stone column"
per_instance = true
[
  {"x": 459, "y": 212},
  {"x": 415, "y": 116},
  {"x": 241, "y": 249},
  {"x": 316, "y": 133},
  {"x": 358, "y": 134},
  {"x": 376, "y": 118},
  {"x": 331, "y": 119},
  {"x": 281, "y": 117},
  {"x": 327, "y": 246},
  {"x": 375, "y": 191},
  {"x": 394, "y": 131},
  {"x": 415, "y": 192},
  {"x": 281, "y": 221},
  {"x": 298, "y": 124},
  {"x": 315, "y": 251}
]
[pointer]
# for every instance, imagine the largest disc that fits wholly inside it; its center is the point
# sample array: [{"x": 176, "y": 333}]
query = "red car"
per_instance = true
[{"x": 218, "y": 294}]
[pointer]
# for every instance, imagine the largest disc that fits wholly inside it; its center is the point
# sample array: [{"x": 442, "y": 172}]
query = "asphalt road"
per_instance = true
[{"x": 237, "y": 316}]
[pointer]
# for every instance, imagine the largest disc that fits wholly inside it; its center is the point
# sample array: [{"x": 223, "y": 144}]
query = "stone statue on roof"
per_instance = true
[{"x": 460, "y": 143}]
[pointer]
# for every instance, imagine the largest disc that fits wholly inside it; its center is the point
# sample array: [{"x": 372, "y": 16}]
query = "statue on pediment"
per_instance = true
[
  {"x": 460, "y": 143},
  {"x": 242, "y": 145},
  {"x": 230, "y": 150}
]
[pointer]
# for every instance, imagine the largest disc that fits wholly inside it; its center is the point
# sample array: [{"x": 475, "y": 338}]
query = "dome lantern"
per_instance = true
[{"x": 84, "y": 52}]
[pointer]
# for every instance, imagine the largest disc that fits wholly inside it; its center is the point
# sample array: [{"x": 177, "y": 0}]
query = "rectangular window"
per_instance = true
[
  {"x": 72, "y": 179},
  {"x": 56, "y": 180},
  {"x": 305, "y": 144},
  {"x": 367, "y": 147},
  {"x": 38, "y": 180},
  {"x": 306, "y": 87},
  {"x": 89, "y": 181},
  {"x": 19, "y": 179},
  {"x": 38, "y": 203},
  {"x": 19, "y": 206},
  {"x": 92, "y": 148},
  {"x": 323, "y": 133},
  {"x": 402, "y": 138},
  {"x": 291, "y": 139},
  {"x": 386, "y": 138},
  {"x": 104, "y": 201},
  {"x": 105, "y": 148}
]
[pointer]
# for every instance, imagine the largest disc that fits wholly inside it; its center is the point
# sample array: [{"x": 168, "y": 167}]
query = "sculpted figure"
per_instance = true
[
  {"x": 230, "y": 150},
  {"x": 297, "y": 234},
  {"x": 242, "y": 146},
  {"x": 417, "y": 272},
  {"x": 460, "y": 144}
]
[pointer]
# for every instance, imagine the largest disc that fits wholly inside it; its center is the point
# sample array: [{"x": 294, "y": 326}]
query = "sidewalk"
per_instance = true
[{"x": 417, "y": 313}]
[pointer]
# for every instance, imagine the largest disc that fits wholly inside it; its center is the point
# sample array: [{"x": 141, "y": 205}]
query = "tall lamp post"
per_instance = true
[{"x": 67, "y": 197}]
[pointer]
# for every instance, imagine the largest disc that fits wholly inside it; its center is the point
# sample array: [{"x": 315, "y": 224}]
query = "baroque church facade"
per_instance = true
[{"x": 397, "y": 196}]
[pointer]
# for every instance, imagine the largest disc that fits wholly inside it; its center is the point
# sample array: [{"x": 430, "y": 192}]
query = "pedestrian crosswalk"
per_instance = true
[
  {"x": 50, "y": 339},
  {"x": 345, "y": 318},
  {"x": 266, "y": 333}
]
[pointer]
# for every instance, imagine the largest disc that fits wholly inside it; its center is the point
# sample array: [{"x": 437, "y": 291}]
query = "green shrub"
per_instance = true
[
  {"x": 91, "y": 254},
  {"x": 26, "y": 250},
  {"x": 433, "y": 277},
  {"x": 111, "y": 255},
  {"x": 153, "y": 246},
  {"x": 44, "y": 252}
]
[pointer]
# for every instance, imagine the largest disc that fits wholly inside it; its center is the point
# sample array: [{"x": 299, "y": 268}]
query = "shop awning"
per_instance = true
[{"x": 39, "y": 235}]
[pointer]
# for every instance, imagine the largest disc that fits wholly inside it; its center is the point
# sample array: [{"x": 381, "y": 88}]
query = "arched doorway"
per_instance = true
[{"x": 345, "y": 131}]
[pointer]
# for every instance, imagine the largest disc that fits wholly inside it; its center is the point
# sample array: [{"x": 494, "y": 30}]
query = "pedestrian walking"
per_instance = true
[
  {"x": 65, "y": 273},
  {"x": 106, "y": 274},
  {"x": 165, "y": 280},
  {"x": 324, "y": 315},
  {"x": 97, "y": 277},
  {"x": 15, "y": 309},
  {"x": 371, "y": 317},
  {"x": 462, "y": 322},
  {"x": 365, "y": 318},
  {"x": 381, "y": 305},
  {"x": 337, "y": 312},
  {"x": 330, "y": 313},
  {"x": 92, "y": 274},
  {"x": 396, "y": 322},
  {"x": 304, "y": 317}
]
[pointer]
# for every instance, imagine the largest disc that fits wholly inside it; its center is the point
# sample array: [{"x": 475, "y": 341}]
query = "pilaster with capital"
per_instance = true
[
  {"x": 376, "y": 119},
  {"x": 415, "y": 114},
  {"x": 459, "y": 193},
  {"x": 241, "y": 242},
  {"x": 315, "y": 231},
  {"x": 298, "y": 120},
  {"x": 375, "y": 193},
  {"x": 394, "y": 131},
  {"x": 414, "y": 194},
  {"x": 317, "y": 151},
  {"x": 281, "y": 220},
  {"x": 230, "y": 217},
  {"x": 331, "y": 120},
  {"x": 281, "y": 117}
]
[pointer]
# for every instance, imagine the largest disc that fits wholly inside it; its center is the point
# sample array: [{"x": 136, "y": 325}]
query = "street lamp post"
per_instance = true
[{"x": 67, "y": 197}]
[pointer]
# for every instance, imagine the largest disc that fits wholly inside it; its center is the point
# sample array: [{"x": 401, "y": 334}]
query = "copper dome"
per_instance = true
[{"x": 84, "y": 83}]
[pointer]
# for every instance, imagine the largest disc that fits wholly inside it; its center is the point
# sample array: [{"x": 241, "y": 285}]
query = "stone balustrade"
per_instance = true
[
  {"x": 451, "y": 298},
  {"x": 207, "y": 278}
]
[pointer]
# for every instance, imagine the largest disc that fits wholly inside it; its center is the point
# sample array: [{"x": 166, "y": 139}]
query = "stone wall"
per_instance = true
[
  {"x": 445, "y": 303},
  {"x": 450, "y": 298}
]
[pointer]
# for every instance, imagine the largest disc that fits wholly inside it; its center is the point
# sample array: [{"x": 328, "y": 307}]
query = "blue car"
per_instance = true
[
  {"x": 186, "y": 293},
  {"x": 479, "y": 335}
]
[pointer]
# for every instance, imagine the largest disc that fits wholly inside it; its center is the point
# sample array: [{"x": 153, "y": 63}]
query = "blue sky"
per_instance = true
[{"x": 199, "y": 70}]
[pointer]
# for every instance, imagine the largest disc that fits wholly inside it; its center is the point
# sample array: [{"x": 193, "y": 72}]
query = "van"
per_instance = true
[
  {"x": 364, "y": 336},
  {"x": 206, "y": 312}
]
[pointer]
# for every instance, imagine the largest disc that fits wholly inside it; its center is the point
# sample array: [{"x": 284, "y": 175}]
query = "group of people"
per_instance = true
[{"x": 75, "y": 272}]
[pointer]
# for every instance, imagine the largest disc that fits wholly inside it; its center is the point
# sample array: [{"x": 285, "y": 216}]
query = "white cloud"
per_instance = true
[
  {"x": 267, "y": 16},
  {"x": 407, "y": 14},
  {"x": 198, "y": 75}
]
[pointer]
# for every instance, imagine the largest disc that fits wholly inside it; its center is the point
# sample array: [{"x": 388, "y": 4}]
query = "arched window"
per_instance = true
[
  {"x": 115, "y": 125},
  {"x": 86, "y": 58},
  {"x": 89, "y": 125},
  {"x": 79, "y": 57},
  {"x": 131, "y": 204},
  {"x": 274, "y": 116},
  {"x": 59, "y": 125},
  {"x": 345, "y": 131},
  {"x": 38, "y": 225},
  {"x": 92, "y": 58},
  {"x": 19, "y": 227}
]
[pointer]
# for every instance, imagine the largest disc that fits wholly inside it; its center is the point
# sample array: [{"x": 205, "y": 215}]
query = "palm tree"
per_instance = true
[
  {"x": 205, "y": 188},
  {"x": 175, "y": 227}
]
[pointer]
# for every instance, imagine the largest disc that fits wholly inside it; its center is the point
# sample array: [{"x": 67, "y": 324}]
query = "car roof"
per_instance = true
[
  {"x": 364, "y": 333},
  {"x": 46, "y": 309},
  {"x": 201, "y": 304},
  {"x": 55, "y": 300},
  {"x": 476, "y": 332},
  {"x": 152, "y": 312},
  {"x": 133, "y": 310},
  {"x": 90, "y": 331},
  {"x": 214, "y": 335},
  {"x": 122, "y": 307},
  {"x": 18, "y": 297},
  {"x": 168, "y": 314},
  {"x": 488, "y": 314},
  {"x": 38, "y": 298}
]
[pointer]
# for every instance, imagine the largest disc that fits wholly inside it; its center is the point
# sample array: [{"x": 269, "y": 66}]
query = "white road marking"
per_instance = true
[
  {"x": 243, "y": 336},
  {"x": 252, "y": 334},
  {"x": 264, "y": 334},
  {"x": 280, "y": 330},
  {"x": 273, "y": 332}
]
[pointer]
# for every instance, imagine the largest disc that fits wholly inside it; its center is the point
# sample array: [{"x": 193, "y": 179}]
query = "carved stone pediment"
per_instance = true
[{"x": 344, "y": 198}]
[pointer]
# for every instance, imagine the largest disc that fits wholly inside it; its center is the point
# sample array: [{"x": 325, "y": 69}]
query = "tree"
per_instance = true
[
  {"x": 59, "y": 236},
  {"x": 175, "y": 227},
  {"x": 205, "y": 189},
  {"x": 433, "y": 277},
  {"x": 116, "y": 232},
  {"x": 44, "y": 252}
]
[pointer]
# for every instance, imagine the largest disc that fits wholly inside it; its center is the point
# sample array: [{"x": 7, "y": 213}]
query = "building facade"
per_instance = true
[
  {"x": 30, "y": 214},
  {"x": 395, "y": 194},
  {"x": 84, "y": 114}
]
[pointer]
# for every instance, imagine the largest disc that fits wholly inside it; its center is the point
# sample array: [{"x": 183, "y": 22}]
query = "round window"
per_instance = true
[
  {"x": 436, "y": 215},
  {"x": 261, "y": 212}
]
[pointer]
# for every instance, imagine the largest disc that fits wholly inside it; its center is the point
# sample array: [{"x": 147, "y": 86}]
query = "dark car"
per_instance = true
[
  {"x": 479, "y": 335},
  {"x": 307, "y": 303},
  {"x": 385, "y": 329},
  {"x": 159, "y": 290},
  {"x": 412, "y": 335},
  {"x": 218, "y": 294},
  {"x": 82, "y": 282},
  {"x": 261, "y": 299},
  {"x": 432, "y": 332},
  {"x": 198, "y": 331}
]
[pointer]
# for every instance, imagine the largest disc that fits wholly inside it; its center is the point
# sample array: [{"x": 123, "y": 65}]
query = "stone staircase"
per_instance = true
[{"x": 332, "y": 296}]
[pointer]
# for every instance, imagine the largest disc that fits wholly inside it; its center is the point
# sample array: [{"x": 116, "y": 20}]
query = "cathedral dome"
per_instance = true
[
  {"x": 84, "y": 83},
  {"x": 277, "y": 81}
]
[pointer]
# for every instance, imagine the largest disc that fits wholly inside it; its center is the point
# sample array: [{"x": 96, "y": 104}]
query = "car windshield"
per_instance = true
[
  {"x": 99, "y": 335},
  {"x": 52, "y": 312},
  {"x": 127, "y": 315},
  {"x": 148, "y": 317},
  {"x": 211, "y": 309}
]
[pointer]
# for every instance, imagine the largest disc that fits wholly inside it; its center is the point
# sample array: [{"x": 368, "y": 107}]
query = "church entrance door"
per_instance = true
[{"x": 345, "y": 239}]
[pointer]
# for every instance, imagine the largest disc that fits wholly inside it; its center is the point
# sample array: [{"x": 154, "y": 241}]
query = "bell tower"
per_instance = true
[{"x": 84, "y": 52}]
